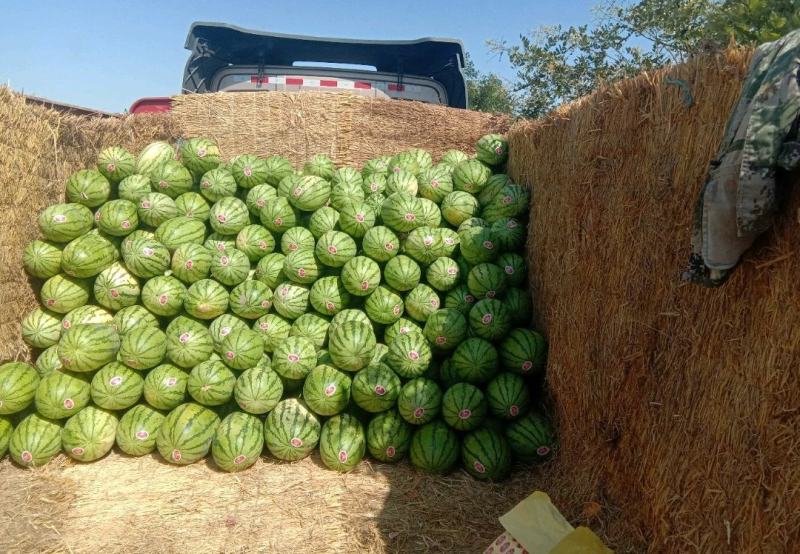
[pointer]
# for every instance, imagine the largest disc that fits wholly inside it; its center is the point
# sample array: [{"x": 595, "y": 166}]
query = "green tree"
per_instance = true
[{"x": 486, "y": 92}]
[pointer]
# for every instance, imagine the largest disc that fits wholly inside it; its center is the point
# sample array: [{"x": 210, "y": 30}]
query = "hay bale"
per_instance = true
[
  {"x": 350, "y": 129},
  {"x": 677, "y": 405}
]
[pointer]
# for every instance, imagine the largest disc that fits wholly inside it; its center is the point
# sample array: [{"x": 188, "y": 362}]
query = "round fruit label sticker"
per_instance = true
[
  {"x": 145, "y": 204},
  {"x": 184, "y": 338},
  {"x": 176, "y": 455},
  {"x": 114, "y": 293},
  {"x": 222, "y": 218},
  {"x": 260, "y": 203},
  {"x": 491, "y": 294},
  {"x": 294, "y": 358},
  {"x": 413, "y": 355},
  {"x": 509, "y": 270},
  {"x": 248, "y": 171},
  {"x": 147, "y": 251},
  {"x": 59, "y": 218},
  {"x": 342, "y": 456},
  {"x": 66, "y": 324},
  {"x": 115, "y": 381},
  {"x": 404, "y": 330},
  {"x": 330, "y": 306},
  {"x": 111, "y": 168},
  {"x": 266, "y": 304},
  {"x": 488, "y": 245},
  {"x": 97, "y": 215},
  {"x": 239, "y": 459},
  {"x": 396, "y": 309},
  {"x": 428, "y": 240},
  {"x": 225, "y": 331},
  {"x": 69, "y": 403},
  {"x": 360, "y": 217},
  {"x": 434, "y": 303},
  {"x": 389, "y": 246},
  {"x": 434, "y": 184},
  {"x": 419, "y": 412},
  {"x": 278, "y": 221},
  {"x": 224, "y": 260},
  {"x": 297, "y": 193},
  {"x": 390, "y": 451},
  {"x": 301, "y": 272},
  {"x": 373, "y": 187},
  {"x": 26, "y": 456},
  {"x": 410, "y": 217},
  {"x": 441, "y": 340},
  {"x": 513, "y": 411},
  {"x": 163, "y": 299},
  {"x": 264, "y": 326},
  {"x": 452, "y": 271},
  {"x": 142, "y": 435},
  {"x": 220, "y": 247},
  {"x": 171, "y": 381},
  {"x": 332, "y": 249},
  {"x": 125, "y": 224},
  {"x": 512, "y": 224},
  {"x": 486, "y": 319},
  {"x": 465, "y": 413},
  {"x": 380, "y": 390},
  {"x": 527, "y": 365},
  {"x": 78, "y": 451},
  {"x": 296, "y": 442},
  {"x": 330, "y": 390},
  {"x": 543, "y": 450},
  {"x": 262, "y": 245},
  {"x": 364, "y": 285},
  {"x": 479, "y": 467},
  {"x": 205, "y": 185},
  {"x": 201, "y": 152},
  {"x": 163, "y": 184},
  {"x": 51, "y": 302},
  {"x": 469, "y": 299}
]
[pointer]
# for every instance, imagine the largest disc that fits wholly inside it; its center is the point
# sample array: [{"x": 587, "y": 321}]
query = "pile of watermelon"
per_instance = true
[{"x": 192, "y": 306}]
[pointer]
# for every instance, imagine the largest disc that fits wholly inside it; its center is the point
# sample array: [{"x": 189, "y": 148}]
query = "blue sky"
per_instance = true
[{"x": 104, "y": 55}]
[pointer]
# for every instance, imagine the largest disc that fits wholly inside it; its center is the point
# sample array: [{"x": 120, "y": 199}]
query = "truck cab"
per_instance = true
[{"x": 226, "y": 58}]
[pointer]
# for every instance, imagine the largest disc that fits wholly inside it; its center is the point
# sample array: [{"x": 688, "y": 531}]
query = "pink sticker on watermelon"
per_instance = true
[
  {"x": 413, "y": 355},
  {"x": 466, "y": 413},
  {"x": 487, "y": 319},
  {"x": 69, "y": 403},
  {"x": 239, "y": 459},
  {"x": 115, "y": 381},
  {"x": 332, "y": 249},
  {"x": 184, "y": 338},
  {"x": 170, "y": 381},
  {"x": 380, "y": 390},
  {"x": 296, "y": 442},
  {"x": 163, "y": 299},
  {"x": 389, "y": 246},
  {"x": 59, "y": 218},
  {"x": 248, "y": 171},
  {"x": 26, "y": 456},
  {"x": 419, "y": 412},
  {"x": 441, "y": 340},
  {"x": 343, "y": 456},
  {"x": 224, "y": 260},
  {"x": 111, "y": 168},
  {"x": 142, "y": 435},
  {"x": 527, "y": 365},
  {"x": 176, "y": 455},
  {"x": 78, "y": 451},
  {"x": 262, "y": 245},
  {"x": 294, "y": 358},
  {"x": 479, "y": 467},
  {"x": 543, "y": 450},
  {"x": 230, "y": 354},
  {"x": 330, "y": 390},
  {"x": 163, "y": 184},
  {"x": 360, "y": 217},
  {"x": 390, "y": 451},
  {"x": 513, "y": 410}
]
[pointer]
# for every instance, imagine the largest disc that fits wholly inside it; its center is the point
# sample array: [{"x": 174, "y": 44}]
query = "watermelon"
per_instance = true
[
  {"x": 513, "y": 267},
  {"x": 255, "y": 241},
  {"x": 146, "y": 258},
  {"x": 356, "y": 218},
  {"x": 41, "y": 328},
  {"x": 309, "y": 193},
  {"x": 258, "y": 390},
  {"x": 116, "y": 163},
  {"x": 472, "y": 222},
  {"x": 492, "y": 149},
  {"x": 487, "y": 281},
  {"x": 312, "y": 327},
  {"x": 402, "y": 273},
  {"x": 409, "y": 355},
  {"x": 152, "y": 156},
  {"x": 445, "y": 329},
  {"x": 297, "y": 238},
  {"x": 229, "y": 215},
  {"x": 288, "y": 184},
  {"x": 335, "y": 248},
  {"x": 493, "y": 186},
  {"x": 61, "y": 395},
  {"x": 376, "y": 388},
  {"x": 165, "y": 387},
  {"x": 458, "y": 206},
  {"x": 471, "y": 176},
  {"x": 454, "y": 157},
  {"x": 508, "y": 396},
  {"x": 434, "y": 448},
  {"x": 89, "y": 435},
  {"x": 348, "y": 175},
  {"x": 47, "y": 362},
  {"x": 374, "y": 184},
  {"x": 350, "y": 345},
  {"x": 344, "y": 194},
  {"x": 133, "y": 316},
  {"x": 421, "y": 302},
  {"x": 217, "y": 184},
  {"x": 423, "y": 244},
  {"x": 323, "y": 220},
  {"x": 278, "y": 168},
  {"x": 477, "y": 245},
  {"x": 115, "y": 287},
  {"x": 328, "y": 296},
  {"x": 326, "y": 390},
  {"x": 191, "y": 262},
  {"x": 443, "y": 274},
  {"x": 402, "y": 181},
  {"x": 301, "y": 267},
  {"x": 388, "y": 437},
  {"x": 375, "y": 202},
  {"x": 206, "y": 299},
  {"x": 62, "y": 293},
  {"x": 116, "y": 387},
  {"x": 241, "y": 349},
  {"x": 251, "y": 299},
  {"x": 429, "y": 213},
  {"x": 220, "y": 243},
  {"x": 294, "y": 357},
  {"x": 142, "y": 348},
  {"x": 211, "y": 383},
  {"x": 35, "y": 441},
  {"x": 18, "y": 385},
  {"x": 402, "y": 326},
  {"x": 381, "y": 244},
  {"x": 193, "y": 206},
  {"x": 404, "y": 161},
  {"x": 474, "y": 361},
  {"x": 65, "y": 222},
  {"x": 117, "y": 218},
  {"x": 185, "y": 435},
  {"x": 531, "y": 438},
  {"x": 257, "y": 198},
  {"x": 509, "y": 234},
  {"x": 272, "y": 329},
  {"x": 523, "y": 351},
  {"x": 199, "y": 155},
  {"x": 88, "y": 187},
  {"x": 277, "y": 215},
  {"x": 6, "y": 430},
  {"x": 88, "y": 255},
  {"x": 291, "y": 430},
  {"x": 87, "y": 347},
  {"x": 41, "y": 259},
  {"x": 238, "y": 442},
  {"x": 361, "y": 276},
  {"x": 291, "y": 300},
  {"x": 350, "y": 315},
  {"x": 399, "y": 212},
  {"x": 519, "y": 303},
  {"x": 164, "y": 295},
  {"x": 86, "y": 314},
  {"x": 490, "y": 319},
  {"x": 155, "y": 208},
  {"x": 379, "y": 165},
  {"x": 188, "y": 342},
  {"x": 423, "y": 158},
  {"x": 384, "y": 306},
  {"x": 486, "y": 455},
  {"x": 420, "y": 401},
  {"x": 342, "y": 443},
  {"x": 270, "y": 269},
  {"x": 230, "y": 267},
  {"x": 137, "y": 430},
  {"x": 463, "y": 407},
  {"x": 133, "y": 187},
  {"x": 222, "y": 326},
  {"x": 319, "y": 165},
  {"x": 248, "y": 170},
  {"x": 449, "y": 242},
  {"x": 511, "y": 202},
  {"x": 171, "y": 178},
  {"x": 435, "y": 184}
]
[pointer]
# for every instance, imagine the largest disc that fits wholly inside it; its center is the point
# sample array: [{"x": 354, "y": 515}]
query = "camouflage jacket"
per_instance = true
[{"x": 743, "y": 188}]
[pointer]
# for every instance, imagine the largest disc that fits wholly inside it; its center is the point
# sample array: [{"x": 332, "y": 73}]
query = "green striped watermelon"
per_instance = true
[
  {"x": 272, "y": 329},
  {"x": 379, "y": 165},
  {"x": 87, "y": 347},
  {"x": 376, "y": 388},
  {"x": 42, "y": 259},
  {"x": 404, "y": 161},
  {"x": 523, "y": 351},
  {"x": 477, "y": 245},
  {"x": 445, "y": 329},
  {"x": 458, "y": 206},
  {"x": 423, "y": 244},
  {"x": 133, "y": 316},
  {"x": 464, "y": 406},
  {"x": 399, "y": 212},
  {"x": 164, "y": 295},
  {"x": 384, "y": 306},
  {"x": 471, "y": 176},
  {"x": 255, "y": 241},
  {"x": 61, "y": 395},
  {"x": 420, "y": 401},
  {"x": 429, "y": 213},
  {"x": 165, "y": 387},
  {"x": 320, "y": 165},
  {"x": 238, "y": 442},
  {"x": 155, "y": 208},
  {"x": 472, "y": 222},
  {"x": 356, "y": 218},
  {"x": 313, "y": 327},
  {"x": 193, "y": 206},
  {"x": 443, "y": 274},
  {"x": 171, "y": 178},
  {"x": 116, "y": 387},
  {"x": 508, "y": 396},
  {"x": 512, "y": 201},
  {"x": 350, "y": 345},
  {"x": 361, "y": 276},
  {"x": 257, "y": 198},
  {"x": 486, "y": 455},
  {"x": 116, "y": 163},
  {"x": 133, "y": 187},
  {"x": 278, "y": 168},
  {"x": 326, "y": 390},
  {"x": 142, "y": 348},
  {"x": 89, "y": 435},
  {"x": 335, "y": 248},
  {"x": 47, "y": 362},
  {"x": 88, "y": 187},
  {"x": 343, "y": 194},
  {"x": 230, "y": 267},
  {"x": 291, "y": 300},
  {"x": 153, "y": 155},
  {"x": 449, "y": 242},
  {"x": 475, "y": 361},
  {"x": 531, "y": 438},
  {"x": 270, "y": 269},
  {"x": 249, "y": 170},
  {"x": 423, "y": 158},
  {"x": 402, "y": 273},
  {"x": 381, "y": 244},
  {"x": 328, "y": 296},
  {"x": 300, "y": 266},
  {"x": 241, "y": 348},
  {"x": 350, "y": 314},
  {"x": 519, "y": 303},
  {"x": 421, "y": 302},
  {"x": 323, "y": 220},
  {"x": 88, "y": 255},
  {"x": 278, "y": 215},
  {"x": 211, "y": 383},
  {"x": 251, "y": 299},
  {"x": 374, "y": 184},
  {"x": 199, "y": 155},
  {"x": 487, "y": 281},
  {"x": 291, "y": 430},
  {"x": 509, "y": 234},
  {"x": 492, "y": 149},
  {"x": 402, "y": 181},
  {"x": 294, "y": 357},
  {"x": 191, "y": 262},
  {"x": 185, "y": 435},
  {"x": 206, "y": 299},
  {"x": 513, "y": 267},
  {"x": 6, "y": 430},
  {"x": 375, "y": 202},
  {"x": 217, "y": 242},
  {"x": 288, "y": 184},
  {"x": 434, "y": 448},
  {"x": 258, "y": 390},
  {"x": 86, "y": 314},
  {"x": 309, "y": 193},
  {"x": 349, "y": 175},
  {"x": 297, "y": 238},
  {"x": 402, "y": 326},
  {"x": 117, "y": 218},
  {"x": 181, "y": 230},
  {"x": 342, "y": 443},
  {"x": 435, "y": 184},
  {"x": 115, "y": 287},
  {"x": 188, "y": 342},
  {"x": 229, "y": 215},
  {"x": 217, "y": 184},
  {"x": 388, "y": 437},
  {"x": 35, "y": 441},
  {"x": 41, "y": 328},
  {"x": 137, "y": 430},
  {"x": 18, "y": 385},
  {"x": 146, "y": 258},
  {"x": 490, "y": 319},
  {"x": 409, "y": 355},
  {"x": 65, "y": 222},
  {"x": 62, "y": 293},
  {"x": 454, "y": 157}
]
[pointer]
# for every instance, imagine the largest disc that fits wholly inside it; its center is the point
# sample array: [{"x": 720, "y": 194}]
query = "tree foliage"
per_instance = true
[{"x": 486, "y": 91}]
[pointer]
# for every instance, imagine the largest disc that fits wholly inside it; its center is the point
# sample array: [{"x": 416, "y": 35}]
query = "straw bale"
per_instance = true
[
  {"x": 350, "y": 129},
  {"x": 677, "y": 405}
]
